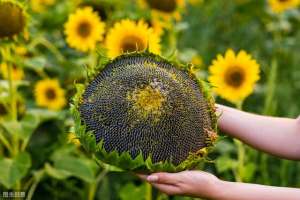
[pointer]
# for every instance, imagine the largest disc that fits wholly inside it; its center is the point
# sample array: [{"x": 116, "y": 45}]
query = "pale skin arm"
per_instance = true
[
  {"x": 277, "y": 136},
  {"x": 205, "y": 185},
  {"x": 274, "y": 135}
]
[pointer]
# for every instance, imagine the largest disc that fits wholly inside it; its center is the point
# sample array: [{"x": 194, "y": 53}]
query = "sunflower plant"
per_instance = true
[
  {"x": 48, "y": 93},
  {"x": 84, "y": 29},
  {"x": 234, "y": 75}
]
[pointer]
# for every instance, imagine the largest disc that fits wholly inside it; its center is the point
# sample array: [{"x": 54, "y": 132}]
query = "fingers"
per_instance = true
[
  {"x": 142, "y": 176},
  {"x": 165, "y": 182},
  {"x": 163, "y": 178},
  {"x": 168, "y": 189}
]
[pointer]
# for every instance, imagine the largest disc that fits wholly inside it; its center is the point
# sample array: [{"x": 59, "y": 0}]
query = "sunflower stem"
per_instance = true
[
  {"x": 148, "y": 191},
  {"x": 271, "y": 86},
  {"x": 36, "y": 180},
  {"x": 241, "y": 158},
  {"x": 269, "y": 109},
  {"x": 93, "y": 186},
  {"x": 173, "y": 39},
  {"x": 5, "y": 142},
  {"x": 7, "y": 58},
  {"x": 52, "y": 48},
  {"x": 13, "y": 103},
  {"x": 241, "y": 152}
]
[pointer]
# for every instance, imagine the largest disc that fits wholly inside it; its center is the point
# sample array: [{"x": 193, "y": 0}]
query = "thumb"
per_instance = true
[{"x": 163, "y": 178}]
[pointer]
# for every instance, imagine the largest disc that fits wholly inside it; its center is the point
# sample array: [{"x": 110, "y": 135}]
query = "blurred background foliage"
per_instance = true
[{"x": 47, "y": 166}]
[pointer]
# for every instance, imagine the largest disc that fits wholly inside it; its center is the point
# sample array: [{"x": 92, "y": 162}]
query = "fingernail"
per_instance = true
[{"x": 152, "y": 178}]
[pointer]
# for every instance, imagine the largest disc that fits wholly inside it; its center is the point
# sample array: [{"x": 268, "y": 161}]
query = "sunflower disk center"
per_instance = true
[
  {"x": 235, "y": 77},
  {"x": 147, "y": 101},
  {"x": 50, "y": 94},
  {"x": 84, "y": 29},
  {"x": 132, "y": 43}
]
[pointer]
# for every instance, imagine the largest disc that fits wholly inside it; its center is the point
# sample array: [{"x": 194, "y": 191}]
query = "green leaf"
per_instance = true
[
  {"x": 130, "y": 191},
  {"x": 56, "y": 173},
  {"x": 43, "y": 114},
  {"x": 13, "y": 170},
  {"x": 37, "y": 63},
  {"x": 224, "y": 163},
  {"x": 33, "y": 118},
  {"x": 248, "y": 171},
  {"x": 78, "y": 167},
  {"x": 12, "y": 127},
  {"x": 29, "y": 123},
  {"x": 62, "y": 151},
  {"x": 225, "y": 147}
]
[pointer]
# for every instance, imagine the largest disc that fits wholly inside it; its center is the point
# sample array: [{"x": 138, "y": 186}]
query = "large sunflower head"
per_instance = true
[
  {"x": 141, "y": 112},
  {"x": 278, "y": 6},
  {"x": 164, "y": 9},
  {"x": 16, "y": 73},
  {"x": 12, "y": 18},
  {"x": 48, "y": 93},
  {"x": 129, "y": 36},
  {"x": 234, "y": 76},
  {"x": 84, "y": 29}
]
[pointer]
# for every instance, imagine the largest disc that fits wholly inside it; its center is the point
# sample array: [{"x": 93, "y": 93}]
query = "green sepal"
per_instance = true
[
  {"x": 89, "y": 142},
  {"x": 139, "y": 164}
]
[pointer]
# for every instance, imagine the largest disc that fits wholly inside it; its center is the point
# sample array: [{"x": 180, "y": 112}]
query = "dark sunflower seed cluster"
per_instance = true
[{"x": 142, "y": 104}]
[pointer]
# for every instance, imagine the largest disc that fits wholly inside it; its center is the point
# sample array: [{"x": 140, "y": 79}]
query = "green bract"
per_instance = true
[{"x": 141, "y": 112}]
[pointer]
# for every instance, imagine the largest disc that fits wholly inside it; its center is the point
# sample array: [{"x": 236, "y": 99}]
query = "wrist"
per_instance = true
[
  {"x": 213, "y": 188},
  {"x": 219, "y": 189}
]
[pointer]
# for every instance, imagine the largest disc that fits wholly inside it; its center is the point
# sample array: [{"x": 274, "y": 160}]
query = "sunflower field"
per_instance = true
[{"x": 247, "y": 51}]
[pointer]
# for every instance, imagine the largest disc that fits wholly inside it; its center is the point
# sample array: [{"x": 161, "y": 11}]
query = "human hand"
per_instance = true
[{"x": 191, "y": 183}]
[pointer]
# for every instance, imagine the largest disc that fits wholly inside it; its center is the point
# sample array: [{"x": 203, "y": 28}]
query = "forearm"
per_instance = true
[
  {"x": 244, "y": 191},
  {"x": 277, "y": 136}
]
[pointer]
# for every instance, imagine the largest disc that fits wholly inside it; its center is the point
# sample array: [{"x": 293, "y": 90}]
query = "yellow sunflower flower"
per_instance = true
[
  {"x": 234, "y": 76},
  {"x": 197, "y": 60},
  {"x": 279, "y": 6},
  {"x": 40, "y": 5},
  {"x": 129, "y": 36},
  {"x": 84, "y": 29},
  {"x": 21, "y": 50},
  {"x": 17, "y": 73},
  {"x": 48, "y": 93},
  {"x": 73, "y": 139},
  {"x": 157, "y": 26}
]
